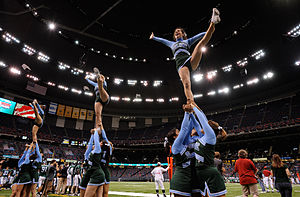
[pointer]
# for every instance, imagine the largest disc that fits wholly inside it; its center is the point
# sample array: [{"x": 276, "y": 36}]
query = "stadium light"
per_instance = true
[
  {"x": 131, "y": 82},
  {"x": 144, "y": 60},
  {"x": 76, "y": 91},
  {"x": 115, "y": 98},
  {"x": 63, "y": 87},
  {"x": 297, "y": 63},
  {"x": 63, "y": 66},
  {"x": 203, "y": 49},
  {"x": 198, "y": 77},
  {"x": 243, "y": 62},
  {"x": 295, "y": 32},
  {"x": 51, "y": 26},
  {"x": 42, "y": 57},
  {"x": 227, "y": 68},
  {"x": 157, "y": 83},
  {"x": 145, "y": 83},
  {"x": 149, "y": 100},
  {"x": 211, "y": 74},
  {"x": 51, "y": 83},
  {"x": 28, "y": 50},
  {"x": 223, "y": 90},
  {"x": 118, "y": 81},
  {"x": 160, "y": 100},
  {"x": 127, "y": 99},
  {"x": 173, "y": 99},
  {"x": 238, "y": 86},
  {"x": 259, "y": 54},
  {"x": 15, "y": 71},
  {"x": 10, "y": 38},
  {"x": 211, "y": 93},
  {"x": 88, "y": 93},
  {"x": 137, "y": 100},
  {"x": 2, "y": 64},
  {"x": 76, "y": 71},
  {"x": 198, "y": 95},
  {"x": 253, "y": 81},
  {"x": 268, "y": 75},
  {"x": 76, "y": 42},
  {"x": 34, "y": 78},
  {"x": 90, "y": 75}
]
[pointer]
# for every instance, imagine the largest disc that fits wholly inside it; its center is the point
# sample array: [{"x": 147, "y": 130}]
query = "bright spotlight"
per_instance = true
[
  {"x": 297, "y": 63},
  {"x": 115, "y": 98},
  {"x": 51, "y": 26},
  {"x": 76, "y": 42},
  {"x": 203, "y": 49},
  {"x": 223, "y": 90},
  {"x": 15, "y": 71},
  {"x": 253, "y": 81},
  {"x": 211, "y": 93},
  {"x": 160, "y": 100},
  {"x": 149, "y": 100},
  {"x": 198, "y": 95},
  {"x": 268, "y": 75},
  {"x": 198, "y": 77},
  {"x": 2, "y": 64}
]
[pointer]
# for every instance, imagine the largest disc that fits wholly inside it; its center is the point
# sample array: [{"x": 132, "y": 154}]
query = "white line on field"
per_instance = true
[{"x": 132, "y": 194}]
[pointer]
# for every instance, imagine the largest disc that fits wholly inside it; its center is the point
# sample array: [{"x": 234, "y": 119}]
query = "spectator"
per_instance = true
[
  {"x": 218, "y": 163},
  {"x": 260, "y": 181},
  {"x": 267, "y": 179},
  {"x": 281, "y": 174},
  {"x": 247, "y": 173},
  {"x": 62, "y": 179}
]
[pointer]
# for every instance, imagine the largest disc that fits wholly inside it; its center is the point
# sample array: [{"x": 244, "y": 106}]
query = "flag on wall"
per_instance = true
[
  {"x": 60, "y": 110},
  {"x": 90, "y": 115},
  {"x": 82, "y": 114},
  {"x": 52, "y": 108},
  {"x": 75, "y": 113},
  {"x": 68, "y": 112}
]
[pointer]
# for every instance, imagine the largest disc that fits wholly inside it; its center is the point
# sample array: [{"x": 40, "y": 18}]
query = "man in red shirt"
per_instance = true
[
  {"x": 267, "y": 179},
  {"x": 247, "y": 173}
]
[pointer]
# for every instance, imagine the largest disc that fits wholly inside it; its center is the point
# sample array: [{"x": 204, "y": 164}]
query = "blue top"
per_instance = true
[
  {"x": 182, "y": 138},
  {"x": 180, "y": 45},
  {"x": 106, "y": 139},
  {"x": 96, "y": 89},
  {"x": 89, "y": 148},
  {"x": 97, "y": 148},
  {"x": 209, "y": 134},
  {"x": 25, "y": 158}
]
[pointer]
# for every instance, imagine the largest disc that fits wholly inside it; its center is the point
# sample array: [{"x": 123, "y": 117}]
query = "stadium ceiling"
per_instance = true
[{"x": 121, "y": 28}]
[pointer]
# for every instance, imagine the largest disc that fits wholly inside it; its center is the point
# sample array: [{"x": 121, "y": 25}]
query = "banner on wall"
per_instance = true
[
  {"x": 24, "y": 111},
  {"x": 90, "y": 115},
  {"x": 52, "y": 108},
  {"x": 82, "y": 114},
  {"x": 60, "y": 110},
  {"x": 68, "y": 112},
  {"x": 75, "y": 113},
  {"x": 7, "y": 106}
]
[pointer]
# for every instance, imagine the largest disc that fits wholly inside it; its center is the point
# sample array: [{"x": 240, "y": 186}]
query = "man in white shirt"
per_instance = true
[{"x": 157, "y": 172}]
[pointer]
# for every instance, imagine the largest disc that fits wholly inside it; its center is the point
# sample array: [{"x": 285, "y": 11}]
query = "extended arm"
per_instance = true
[
  {"x": 39, "y": 156},
  {"x": 91, "y": 82},
  {"x": 197, "y": 125},
  {"x": 40, "y": 109},
  {"x": 163, "y": 41},
  {"x": 195, "y": 38},
  {"x": 20, "y": 162},
  {"x": 165, "y": 170},
  {"x": 178, "y": 143},
  {"x": 209, "y": 134},
  {"x": 89, "y": 148},
  {"x": 96, "y": 142}
]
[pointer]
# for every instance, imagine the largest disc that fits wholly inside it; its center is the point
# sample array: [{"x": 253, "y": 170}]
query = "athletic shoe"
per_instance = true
[
  {"x": 215, "y": 16},
  {"x": 96, "y": 71}
]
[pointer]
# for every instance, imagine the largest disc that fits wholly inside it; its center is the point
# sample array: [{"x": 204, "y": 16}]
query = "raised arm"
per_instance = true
[
  {"x": 197, "y": 125},
  {"x": 39, "y": 156},
  {"x": 91, "y": 82},
  {"x": 89, "y": 148},
  {"x": 178, "y": 144},
  {"x": 40, "y": 109},
  {"x": 21, "y": 161},
  {"x": 161, "y": 40},
  {"x": 195, "y": 38},
  {"x": 165, "y": 170},
  {"x": 209, "y": 134},
  {"x": 96, "y": 142}
]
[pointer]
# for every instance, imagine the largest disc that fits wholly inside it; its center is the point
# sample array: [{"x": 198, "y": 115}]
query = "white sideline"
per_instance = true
[{"x": 133, "y": 194}]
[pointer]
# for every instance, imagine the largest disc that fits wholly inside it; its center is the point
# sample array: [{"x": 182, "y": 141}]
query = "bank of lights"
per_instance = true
[
  {"x": 15, "y": 71},
  {"x": 76, "y": 71},
  {"x": 28, "y": 50},
  {"x": 149, "y": 100},
  {"x": 10, "y": 38},
  {"x": 63, "y": 87},
  {"x": 211, "y": 93},
  {"x": 259, "y": 54},
  {"x": 198, "y": 77},
  {"x": 295, "y": 32},
  {"x": 2, "y": 64},
  {"x": 253, "y": 81},
  {"x": 297, "y": 63},
  {"x": 114, "y": 98},
  {"x": 145, "y": 83},
  {"x": 238, "y": 86},
  {"x": 52, "y": 26},
  {"x": 34, "y": 78},
  {"x": 76, "y": 91},
  {"x": 118, "y": 81},
  {"x": 174, "y": 99},
  {"x": 51, "y": 83},
  {"x": 137, "y": 100},
  {"x": 42, "y": 57},
  {"x": 243, "y": 62},
  {"x": 157, "y": 83},
  {"x": 63, "y": 66},
  {"x": 88, "y": 93},
  {"x": 198, "y": 95},
  {"x": 212, "y": 74},
  {"x": 224, "y": 90},
  {"x": 268, "y": 75},
  {"x": 160, "y": 100},
  {"x": 131, "y": 82},
  {"x": 127, "y": 99},
  {"x": 227, "y": 68}
]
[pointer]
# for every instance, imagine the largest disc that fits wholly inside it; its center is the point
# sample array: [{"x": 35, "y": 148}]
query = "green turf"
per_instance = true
[{"x": 234, "y": 189}]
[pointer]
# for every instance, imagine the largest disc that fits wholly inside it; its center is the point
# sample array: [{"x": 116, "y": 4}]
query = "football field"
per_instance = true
[{"x": 147, "y": 189}]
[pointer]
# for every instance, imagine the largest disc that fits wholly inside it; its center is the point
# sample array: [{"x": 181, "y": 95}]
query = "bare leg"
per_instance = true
[
  {"x": 82, "y": 192},
  {"x": 98, "y": 111},
  {"x": 105, "y": 190},
  {"x": 103, "y": 94},
  {"x": 184, "y": 74},
  {"x": 14, "y": 190},
  {"x": 19, "y": 190},
  {"x": 90, "y": 191},
  {"x": 100, "y": 191},
  {"x": 197, "y": 53},
  {"x": 33, "y": 190}
]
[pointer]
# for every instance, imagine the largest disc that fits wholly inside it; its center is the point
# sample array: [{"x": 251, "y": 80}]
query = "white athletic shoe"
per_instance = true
[
  {"x": 96, "y": 70},
  {"x": 215, "y": 16}
]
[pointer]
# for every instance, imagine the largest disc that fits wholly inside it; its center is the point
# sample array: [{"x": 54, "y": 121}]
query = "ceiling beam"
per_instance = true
[{"x": 102, "y": 15}]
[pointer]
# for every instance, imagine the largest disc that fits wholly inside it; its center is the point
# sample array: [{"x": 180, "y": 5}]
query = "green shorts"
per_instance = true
[
  {"x": 85, "y": 179},
  {"x": 210, "y": 181},
  {"x": 97, "y": 177},
  {"x": 183, "y": 59},
  {"x": 16, "y": 179},
  {"x": 24, "y": 178},
  {"x": 35, "y": 177},
  {"x": 106, "y": 173},
  {"x": 181, "y": 182}
]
